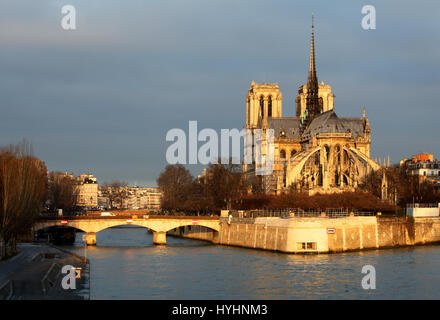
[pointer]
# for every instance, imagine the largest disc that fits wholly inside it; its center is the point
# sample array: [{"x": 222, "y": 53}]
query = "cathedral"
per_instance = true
[{"x": 316, "y": 151}]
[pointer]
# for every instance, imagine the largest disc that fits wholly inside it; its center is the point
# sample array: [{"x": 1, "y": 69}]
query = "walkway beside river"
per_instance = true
[{"x": 35, "y": 273}]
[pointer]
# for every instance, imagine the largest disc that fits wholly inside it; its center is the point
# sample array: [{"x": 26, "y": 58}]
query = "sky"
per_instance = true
[{"x": 100, "y": 99}]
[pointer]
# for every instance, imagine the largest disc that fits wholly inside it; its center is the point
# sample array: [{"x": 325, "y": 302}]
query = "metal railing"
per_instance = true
[
  {"x": 130, "y": 216},
  {"x": 297, "y": 212}
]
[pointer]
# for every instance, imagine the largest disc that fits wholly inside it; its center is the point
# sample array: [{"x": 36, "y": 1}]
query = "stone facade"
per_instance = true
[{"x": 316, "y": 151}]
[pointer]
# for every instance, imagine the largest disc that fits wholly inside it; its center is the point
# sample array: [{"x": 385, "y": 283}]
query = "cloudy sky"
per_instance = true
[{"x": 101, "y": 98}]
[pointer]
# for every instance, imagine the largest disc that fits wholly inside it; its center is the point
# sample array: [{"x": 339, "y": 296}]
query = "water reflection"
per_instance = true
[{"x": 126, "y": 265}]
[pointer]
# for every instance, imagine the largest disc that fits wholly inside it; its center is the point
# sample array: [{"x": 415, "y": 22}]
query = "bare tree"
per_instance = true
[
  {"x": 213, "y": 192},
  {"x": 22, "y": 191},
  {"x": 115, "y": 192},
  {"x": 62, "y": 191},
  {"x": 175, "y": 182},
  {"x": 198, "y": 201},
  {"x": 225, "y": 182}
]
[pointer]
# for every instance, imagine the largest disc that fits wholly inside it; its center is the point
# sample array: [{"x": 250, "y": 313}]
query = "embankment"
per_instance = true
[{"x": 320, "y": 234}]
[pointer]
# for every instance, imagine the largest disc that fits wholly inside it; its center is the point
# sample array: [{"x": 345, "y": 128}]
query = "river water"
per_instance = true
[{"x": 126, "y": 264}]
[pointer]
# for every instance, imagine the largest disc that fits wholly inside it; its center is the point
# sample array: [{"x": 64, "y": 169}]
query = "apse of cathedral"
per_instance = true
[{"x": 316, "y": 151}]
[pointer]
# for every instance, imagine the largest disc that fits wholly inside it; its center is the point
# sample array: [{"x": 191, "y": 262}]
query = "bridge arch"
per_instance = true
[
  {"x": 49, "y": 224},
  {"x": 160, "y": 226}
]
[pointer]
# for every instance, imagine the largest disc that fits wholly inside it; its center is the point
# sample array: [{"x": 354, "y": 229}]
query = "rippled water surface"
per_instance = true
[{"x": 126, "y": 265}]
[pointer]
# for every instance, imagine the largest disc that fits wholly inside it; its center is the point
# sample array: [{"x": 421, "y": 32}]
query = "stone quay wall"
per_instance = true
[{"x": 320, "y": 234}]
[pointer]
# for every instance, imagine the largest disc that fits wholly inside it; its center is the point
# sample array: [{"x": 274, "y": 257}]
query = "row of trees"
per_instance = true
[
  {"x": 23, "y": 187},
  {"x": 212, "y": 192},
  {"x": 225, "y": 187},
  {"x": 407, "y": 188},
  {"x": 359, "y": 200}
]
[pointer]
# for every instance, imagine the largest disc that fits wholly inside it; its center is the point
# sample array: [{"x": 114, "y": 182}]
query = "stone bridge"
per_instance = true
[{"x": 159, "y": 225}]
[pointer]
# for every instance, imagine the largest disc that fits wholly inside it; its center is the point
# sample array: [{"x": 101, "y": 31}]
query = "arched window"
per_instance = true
[
  {"x": 269, "y": 106},
  {"x": 292, "y": 154},
  {"x": 283, "y": 154},
  {"x": 327, "y": 152},
  {"x": 262, "y": 106}
]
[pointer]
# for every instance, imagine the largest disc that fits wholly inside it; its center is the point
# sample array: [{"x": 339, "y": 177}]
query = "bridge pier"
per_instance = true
[
  {"x": 159, "y": 237},
  {"x": 215, "y": 237},
  {"x": 91, "y": 238}
]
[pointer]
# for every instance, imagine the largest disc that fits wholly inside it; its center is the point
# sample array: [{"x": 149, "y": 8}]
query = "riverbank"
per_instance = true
[
  {"x": 318, "y": 234},
  {"x": 35, "y": 274}
]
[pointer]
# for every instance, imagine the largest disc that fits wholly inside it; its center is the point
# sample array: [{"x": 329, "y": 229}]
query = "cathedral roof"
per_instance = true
[
  {"x": 329, "y": 122},
  {"x": 326, "y": 122},
  {"x": 290, "y": 126},
  {"x": 356, "y": 125}
]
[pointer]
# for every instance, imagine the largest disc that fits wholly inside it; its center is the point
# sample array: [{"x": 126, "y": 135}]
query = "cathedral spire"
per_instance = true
[
  {"x": 313, "y": 105},
  {"x": 312, "y": 67}
]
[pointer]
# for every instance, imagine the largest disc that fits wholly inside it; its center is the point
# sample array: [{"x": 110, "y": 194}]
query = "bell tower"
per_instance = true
[{"x": 263, "y": 101}]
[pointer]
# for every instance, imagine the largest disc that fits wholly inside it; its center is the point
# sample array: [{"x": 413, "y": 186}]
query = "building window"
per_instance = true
[
  {"x": 306, "y": 246},
  {"x": 269, "y": 107},
  {"x": 248, "y": 102},
  {"x": 262, "y": 106},
  {"x": 327, "y": 152},
  {"x": 283, "y": 154}
]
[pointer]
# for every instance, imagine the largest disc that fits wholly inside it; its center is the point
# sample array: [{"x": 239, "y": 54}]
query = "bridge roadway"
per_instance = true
[{"x": 160, "y": 225}]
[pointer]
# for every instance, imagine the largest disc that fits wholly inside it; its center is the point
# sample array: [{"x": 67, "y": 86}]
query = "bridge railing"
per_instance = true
[
  {"x": 297, "y": 212},
  {"x": 119, "y": 217}
]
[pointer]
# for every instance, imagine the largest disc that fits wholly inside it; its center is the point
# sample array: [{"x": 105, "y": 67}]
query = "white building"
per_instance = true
[
  {"x": 425, "y": 169},
  {"x": 143, "y": 198},
  {"x": 418, "y": 210},
  {"x": 86, "y": 191}
]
